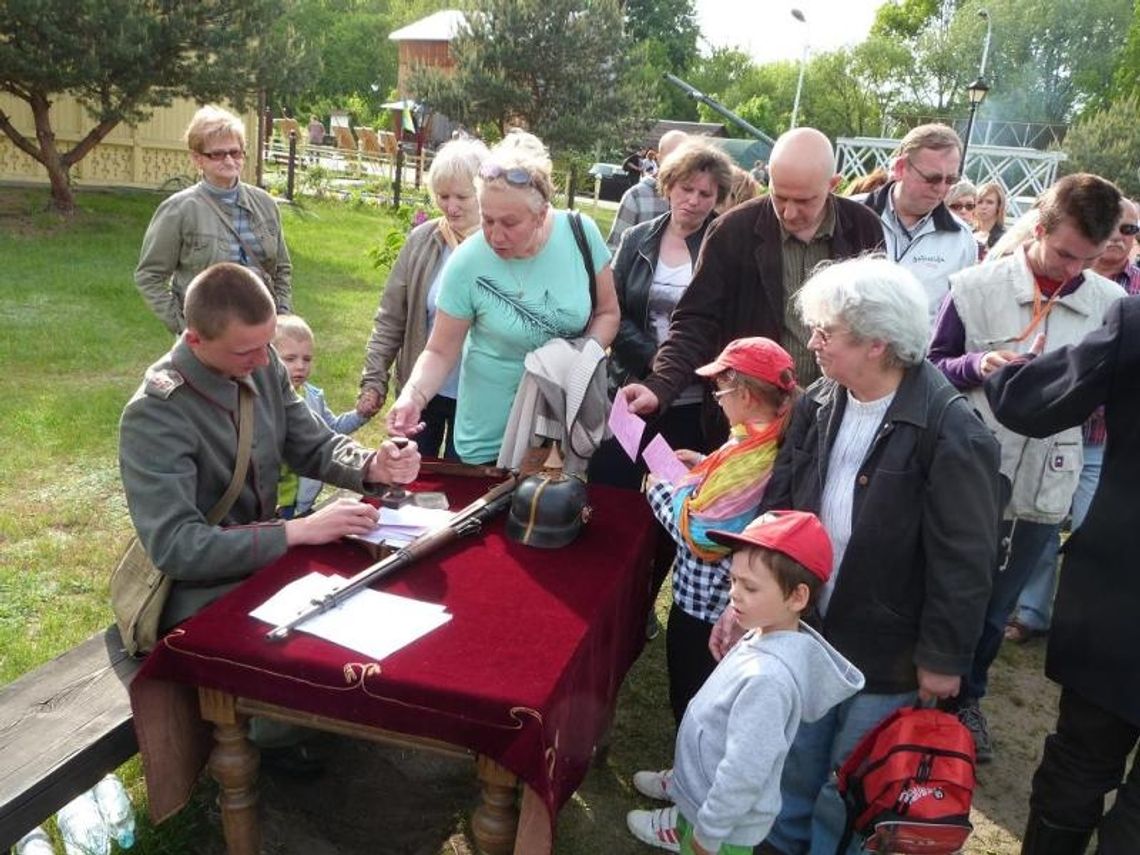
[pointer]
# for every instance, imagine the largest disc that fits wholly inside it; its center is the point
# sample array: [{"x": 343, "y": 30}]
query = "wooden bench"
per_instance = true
[{"x": 63, "y": 727}]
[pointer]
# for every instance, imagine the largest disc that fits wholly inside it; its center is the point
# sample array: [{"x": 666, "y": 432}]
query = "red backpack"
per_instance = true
[{"x": 908, "y": 784}]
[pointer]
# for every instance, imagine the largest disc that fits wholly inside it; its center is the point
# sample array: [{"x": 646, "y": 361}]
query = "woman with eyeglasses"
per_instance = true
[
  {"x": 904, "y": 476},
  {"x": 989, "y": 216},
  {"x": 508, "y": 290},
  {"x": 218, "y": 219},
  {"x": 410, "y": 299},
  {"x": 962, "y": 200}
]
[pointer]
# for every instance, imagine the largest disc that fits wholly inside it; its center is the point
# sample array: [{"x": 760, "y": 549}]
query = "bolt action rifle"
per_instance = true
[{"x": 467, "y": 521}]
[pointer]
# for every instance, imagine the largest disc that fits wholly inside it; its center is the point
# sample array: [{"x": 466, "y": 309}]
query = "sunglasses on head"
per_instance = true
[
  {"x": 1129, "y": 229},
  {"x": 516, "y": 176},
  {"x": 223, "y": 153}
]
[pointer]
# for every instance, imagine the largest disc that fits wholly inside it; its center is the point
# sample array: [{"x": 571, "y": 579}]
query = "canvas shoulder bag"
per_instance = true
[{"x": 139, "y": 590}]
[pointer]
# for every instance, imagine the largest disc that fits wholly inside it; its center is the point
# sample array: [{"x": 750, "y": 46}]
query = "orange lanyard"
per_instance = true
[{"x": 1040, "y": 313}]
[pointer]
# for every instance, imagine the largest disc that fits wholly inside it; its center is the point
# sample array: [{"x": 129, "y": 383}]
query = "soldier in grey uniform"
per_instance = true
[{"x": 178, "y": 444}]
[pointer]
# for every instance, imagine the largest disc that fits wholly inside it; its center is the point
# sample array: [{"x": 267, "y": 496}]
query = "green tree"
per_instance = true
[
  {"x": 350, "y": 59},
  {"x": 1106, "y": 143},
  {"x": 1048, "y": 71},
  {"x": 551, "y": 65},
  {"x": 662, "y": 37},
  {"x": 905, "y": 20},
  {"x": 1126, "y": 79},
  {"x": 670, "y": 23},
  {"x": 121, "y": 59}
]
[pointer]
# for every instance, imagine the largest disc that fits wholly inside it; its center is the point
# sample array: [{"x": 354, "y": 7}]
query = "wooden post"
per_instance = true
[
  {"x": 571, "y": 177},
  {"x": 399, "y": 177},
  {"x": 292, "y": 168}
]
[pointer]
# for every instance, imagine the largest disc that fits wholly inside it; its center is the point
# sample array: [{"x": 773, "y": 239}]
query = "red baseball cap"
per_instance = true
[
  {"x": 798, "y": 534},
  {"x": 757, "y": 357}
]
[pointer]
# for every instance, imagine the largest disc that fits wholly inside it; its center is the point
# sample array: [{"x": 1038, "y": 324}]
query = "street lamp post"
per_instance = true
[
  {"x": 977, "y": 94},
  {"x": 799, "y": 16},
  {"x": 978, "y": 89}
]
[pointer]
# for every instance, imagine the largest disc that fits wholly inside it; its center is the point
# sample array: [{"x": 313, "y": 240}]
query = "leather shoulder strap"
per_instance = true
[
  {"x": 587, "y": 258},
  {"x": 205, "y": 194},
  {"x": 241, "y": 464}
]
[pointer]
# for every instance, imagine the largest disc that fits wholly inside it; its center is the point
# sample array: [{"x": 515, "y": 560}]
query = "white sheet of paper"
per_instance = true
[
  {"x": 627, "y": 427},
  {"x": 374, "y": 623},
  {"x": 663, "y": 461},
  {"x": 403, "y": 525}
]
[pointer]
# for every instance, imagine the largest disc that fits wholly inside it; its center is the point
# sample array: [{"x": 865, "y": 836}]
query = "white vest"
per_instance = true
[{"x": 995, "y": 304}]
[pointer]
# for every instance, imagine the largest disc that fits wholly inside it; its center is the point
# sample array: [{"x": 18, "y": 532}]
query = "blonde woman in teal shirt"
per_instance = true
[{"x": 506, "y": 292}]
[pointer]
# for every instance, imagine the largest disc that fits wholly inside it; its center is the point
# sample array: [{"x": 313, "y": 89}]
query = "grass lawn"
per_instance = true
[{"x": 75, "y": 338}]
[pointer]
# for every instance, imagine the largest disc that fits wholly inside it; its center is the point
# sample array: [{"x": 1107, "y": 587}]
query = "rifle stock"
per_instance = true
[{"x": 467, "y": 521}]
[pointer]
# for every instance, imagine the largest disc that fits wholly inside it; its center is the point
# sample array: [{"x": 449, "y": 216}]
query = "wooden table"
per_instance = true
[
  {"x": 499, "y": 825},
  {"x": 523, "y": 679}
]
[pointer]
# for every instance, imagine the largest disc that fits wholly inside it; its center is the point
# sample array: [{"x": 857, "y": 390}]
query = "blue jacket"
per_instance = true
[{"x": 346, "y": 423}]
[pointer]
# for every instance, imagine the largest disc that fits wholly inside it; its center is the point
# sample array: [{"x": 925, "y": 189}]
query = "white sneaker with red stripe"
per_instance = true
[
  {"x": 654, "y": 784},
  {"x": 655, "y": 827}
]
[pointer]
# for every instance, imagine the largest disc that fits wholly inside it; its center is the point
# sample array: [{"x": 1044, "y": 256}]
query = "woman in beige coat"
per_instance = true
[{"x": 407, "y": 307}]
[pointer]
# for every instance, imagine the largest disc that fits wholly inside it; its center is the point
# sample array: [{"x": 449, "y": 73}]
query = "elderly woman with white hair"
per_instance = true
[
  {"x": 508, "y": 290},
  {"x": 409, "y": 302},
  {"x": 904, "y": 476}
]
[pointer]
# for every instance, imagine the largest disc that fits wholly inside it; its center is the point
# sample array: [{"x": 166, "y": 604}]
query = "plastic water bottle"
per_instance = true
[
  {"x": 82, "y": 827},
  {"x": 118, "y": 813},
  {"x": 35, "y": 842}
]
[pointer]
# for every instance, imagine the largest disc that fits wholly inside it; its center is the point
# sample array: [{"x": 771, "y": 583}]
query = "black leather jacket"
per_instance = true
[
  {"x": 916, "y": 575},
  {"x": 631, "y": 353}
]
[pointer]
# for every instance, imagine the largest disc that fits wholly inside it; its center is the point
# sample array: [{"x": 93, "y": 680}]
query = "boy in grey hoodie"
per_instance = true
[{"x": 731, "y": 745}]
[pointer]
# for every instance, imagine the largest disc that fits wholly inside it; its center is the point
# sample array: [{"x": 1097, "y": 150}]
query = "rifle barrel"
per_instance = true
[{"x": 466, "y": 521}]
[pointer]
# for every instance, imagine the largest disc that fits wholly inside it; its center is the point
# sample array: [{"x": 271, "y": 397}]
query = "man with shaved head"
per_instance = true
[
  {"x": 642, "y": 202},
  {"x": 753, "y": 259}
]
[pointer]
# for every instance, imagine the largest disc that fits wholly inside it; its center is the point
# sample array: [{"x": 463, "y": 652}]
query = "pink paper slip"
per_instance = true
[
  {"x": 663, "y": 461},
  {"x": 627, "y": 427}
]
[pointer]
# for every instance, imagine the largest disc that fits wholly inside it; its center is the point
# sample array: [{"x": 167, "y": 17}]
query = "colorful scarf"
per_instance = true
[{"x": 724, "y": 490}]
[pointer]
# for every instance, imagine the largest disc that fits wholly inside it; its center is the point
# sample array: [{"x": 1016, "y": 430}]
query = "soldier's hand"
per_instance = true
[
  {"x": 394, "y": 463},
  {"x": 333, "y": 521}
]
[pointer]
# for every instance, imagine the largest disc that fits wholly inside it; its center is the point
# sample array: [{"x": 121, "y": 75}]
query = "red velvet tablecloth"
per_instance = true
[{"x": 526, "y": 672}]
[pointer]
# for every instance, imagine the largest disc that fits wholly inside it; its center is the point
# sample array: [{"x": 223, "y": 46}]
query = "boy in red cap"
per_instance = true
[
  {"x": 730, "y": 750},
  {"x": 756, "y": 386}
]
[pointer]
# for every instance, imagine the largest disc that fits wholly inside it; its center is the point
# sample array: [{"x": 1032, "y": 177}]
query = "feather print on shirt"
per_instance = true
[{"x": 538, "y": 318}]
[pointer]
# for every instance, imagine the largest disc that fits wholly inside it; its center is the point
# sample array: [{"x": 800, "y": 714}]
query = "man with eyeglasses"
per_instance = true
[
  {"x": 1041, "y": 297},
  {"x": 1116, "y": 262},
  {"x": 920, "y": 232}
]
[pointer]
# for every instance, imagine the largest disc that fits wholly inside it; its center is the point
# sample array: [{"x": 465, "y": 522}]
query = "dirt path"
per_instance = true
[{"x": 398, "y": 802}]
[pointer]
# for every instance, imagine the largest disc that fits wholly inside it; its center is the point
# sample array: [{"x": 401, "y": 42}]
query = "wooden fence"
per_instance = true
[{"x": 147, "y": 155}]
